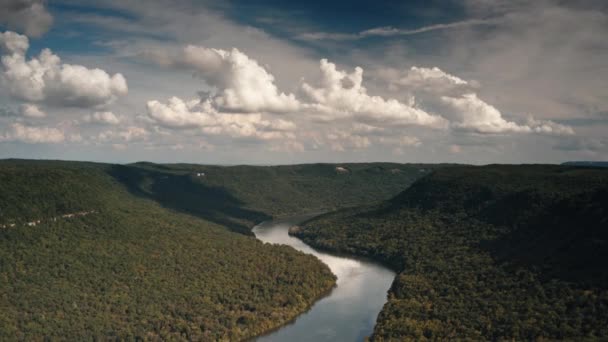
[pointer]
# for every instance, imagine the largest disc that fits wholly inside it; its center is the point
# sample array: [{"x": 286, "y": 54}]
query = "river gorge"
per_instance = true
[{"x": 349, "y": 312}]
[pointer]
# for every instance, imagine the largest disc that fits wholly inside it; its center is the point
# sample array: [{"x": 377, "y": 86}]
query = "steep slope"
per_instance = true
[
  {"x": 494, "y": 252},
  {"x": 239, "y": 196},
  {"x": 132, "y": 269}
]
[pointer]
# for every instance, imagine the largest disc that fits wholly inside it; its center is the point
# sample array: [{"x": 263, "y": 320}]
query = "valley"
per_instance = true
[{"x": 167, "y": 251}]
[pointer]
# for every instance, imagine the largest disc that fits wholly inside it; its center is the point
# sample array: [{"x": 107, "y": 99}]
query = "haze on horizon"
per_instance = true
[{"x": 271, "y": 82}]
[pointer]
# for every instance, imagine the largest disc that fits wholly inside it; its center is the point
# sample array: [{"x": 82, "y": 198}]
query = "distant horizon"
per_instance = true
[{"x": 292, "y": 164}]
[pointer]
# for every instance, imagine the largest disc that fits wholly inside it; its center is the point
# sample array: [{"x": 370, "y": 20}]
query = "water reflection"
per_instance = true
[{"x": 350, "y": 311}]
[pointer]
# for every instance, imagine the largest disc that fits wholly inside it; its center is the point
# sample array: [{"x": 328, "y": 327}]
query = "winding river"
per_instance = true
[{"x": 350, "y": 310}]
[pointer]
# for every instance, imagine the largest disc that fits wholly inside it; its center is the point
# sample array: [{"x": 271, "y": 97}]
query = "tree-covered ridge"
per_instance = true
[
  {"x": 32, "y": 190},
  {"x": 238, "y": 196},
  {"x": 134, "y": 269},
  {"x": 486, "y": 253},
  {"x": 232, "y": 196}
]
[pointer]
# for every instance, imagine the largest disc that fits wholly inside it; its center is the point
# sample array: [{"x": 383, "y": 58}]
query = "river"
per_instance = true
[{"x": 349, "y": 312}]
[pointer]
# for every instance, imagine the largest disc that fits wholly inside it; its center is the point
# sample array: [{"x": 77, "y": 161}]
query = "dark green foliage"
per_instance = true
[
  {"x": 155, "y": 259},
  {"x": 238, "y": 196},
  {"x": 30, "y": 190},
  {"x": 134, "y": 269},
  {"x": 486, "y": 253}
]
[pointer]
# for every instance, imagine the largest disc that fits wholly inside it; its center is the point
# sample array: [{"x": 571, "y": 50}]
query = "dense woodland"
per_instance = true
[
  {"x": 486, "y": 253},
  {"x": 157, "y": 256},
  {"x": 134, "y": 269},
  {"x": 491, "y": 253},
  {"x": 238, "y": 196}
]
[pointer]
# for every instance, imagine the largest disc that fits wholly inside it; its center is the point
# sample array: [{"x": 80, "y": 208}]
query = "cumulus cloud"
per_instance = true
[
  {"x": 45, "y": 79},
  {"x": 242, "y": 84},
  {"x": 342, "y": 94},
  {"x": 432, "y": 80},
  {"x": 31, "y": 111},
  {"x": 181, "y": 114},
  {"x": 28, "y": 16},
  {"x": 32, "y": 135},
  {"x": 11, "y": 42},
  {"x": 473, "y": 114},
  {"x": 548, "y": 127},
  {"x": 457, "y": 101},
  {"x": 245, "y": 92},
  {"x": 177, "y": 113},
  {"x": 104, "y": 118}
]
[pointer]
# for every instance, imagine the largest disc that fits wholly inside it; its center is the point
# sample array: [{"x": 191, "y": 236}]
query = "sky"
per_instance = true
[{"x": 283, "y": 82}]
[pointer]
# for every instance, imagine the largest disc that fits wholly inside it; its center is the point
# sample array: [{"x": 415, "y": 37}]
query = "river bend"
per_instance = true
[{"x": 349, "y": 312}]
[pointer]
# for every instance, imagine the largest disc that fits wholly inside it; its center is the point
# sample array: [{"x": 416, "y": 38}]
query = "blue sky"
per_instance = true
[{"x": 272, "y": 82}]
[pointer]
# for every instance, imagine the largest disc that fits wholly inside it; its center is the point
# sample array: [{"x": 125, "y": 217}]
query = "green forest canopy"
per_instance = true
[
  {"x": 486, "y": 253},
  {"x": 154, "y": 257}
]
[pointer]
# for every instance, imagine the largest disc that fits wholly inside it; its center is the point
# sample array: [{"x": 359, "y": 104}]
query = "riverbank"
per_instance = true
[{"x": 349, "y": 312}]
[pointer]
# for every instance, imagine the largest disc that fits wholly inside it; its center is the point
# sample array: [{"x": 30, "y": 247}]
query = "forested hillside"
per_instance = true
[
  {"x": 486, "y": 253},
  {"x": 131, "y": 268},
  {"x": 239, "y": 196},
  {"x": 145, "y": 250}
]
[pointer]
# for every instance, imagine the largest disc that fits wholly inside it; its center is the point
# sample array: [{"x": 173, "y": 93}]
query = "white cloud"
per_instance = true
[
  {"x": 45, "y": 79},
  {"x": 32, "y": 135},
  {"x": 342, "y": 95},
  {"x": 389, "y": 31},
  {"x": 12, "y": 42},
  {"x": 31, "y": 111},
  {"x": 472, "y": 114},
  {"x": 247, "y": 126},
  {"x": 455, "y": 99},
  {"x": 106, "y": 118},
  {"x": 177, "y": 113},
  {"x": 548, "y": 127},
  {"x": 180, "y": 114},
  {"x": 243, "y": 85},
  {"x": 28, "y": 16},
  {"x": 541, "y": 59},
  {"x": 280, "y": 125},
  {"x": 432, "y": 80}
]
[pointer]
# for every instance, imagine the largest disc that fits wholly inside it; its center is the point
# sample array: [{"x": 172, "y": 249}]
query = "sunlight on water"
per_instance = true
[{"x": 349, "y": 312}]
